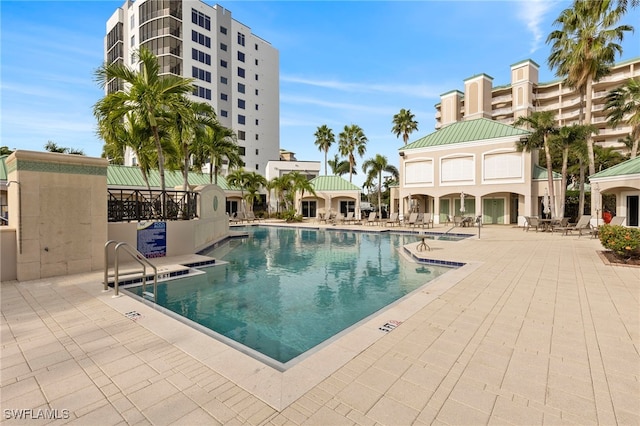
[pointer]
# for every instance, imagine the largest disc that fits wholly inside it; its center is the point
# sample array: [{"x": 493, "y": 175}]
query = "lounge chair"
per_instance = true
[
  {"x": 371, "y": 220},
  {"x": 349, "y": 218},
  {"x": 427, "y": 220},
  {"x": 339, "y": 218},
  {"x": 393, "y": 219},
  {"x": 583, "y": 225},
  {"x": 617, "y": 220},
  {"x": 457, "y": 221},
  {"x": 418, "y": 221},
  {"x": 251, "y": 217},
  {"x": 413, "y": 217}
]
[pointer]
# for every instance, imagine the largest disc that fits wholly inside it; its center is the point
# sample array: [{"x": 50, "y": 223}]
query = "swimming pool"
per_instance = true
[{"x": 285, "y": 291}]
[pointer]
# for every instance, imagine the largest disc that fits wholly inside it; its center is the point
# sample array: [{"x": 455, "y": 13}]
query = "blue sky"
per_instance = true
[{"x": 341, "y": 63}]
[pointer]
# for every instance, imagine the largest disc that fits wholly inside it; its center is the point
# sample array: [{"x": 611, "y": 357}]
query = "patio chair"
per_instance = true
[
  {"x": 251, "y": 217},
  {"x": 561, "y": 224},
  {"x": 583, "y": 225},
  {"x": 418, "y": 221},
  {"x": 457, "y": 221},
  {"x": 349, "y": 218},
  {"x": 371, "y": 220},
  {"x": 533, "y": 222},
  {"x": 413, "y": 217},
  {"x": 394, "y": 219},
  {"x": 617, "y": 220},
  {"x": 427, "y": 220}
]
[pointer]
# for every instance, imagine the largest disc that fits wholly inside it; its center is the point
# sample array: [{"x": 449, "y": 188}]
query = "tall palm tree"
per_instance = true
[
  {"x": 374, "y": 167},
  {"x": 324, "y": 139},
  {"x": 239, "y": 178},
  {"x": 585, "y": 47},
  {"x": 404, "y": 124},
  {"x": 147, "y": 94},
  {"x": 254, "y": 182},
  {"x": 543, "y": 125},
  {"x": 352, "y": 140},
  {"x": 566, "y": 138},
  {"x": 215, "y": 145},
  {"x": 187, "y": 124},
  {"x": 299, "y": 182},
  {"x": 339, "y": 167},
  {"x": 623, "y": 105}
]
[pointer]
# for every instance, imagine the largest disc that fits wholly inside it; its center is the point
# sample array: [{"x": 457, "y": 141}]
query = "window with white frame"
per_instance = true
[
  {"x": 418, "y": 172},
  {"x": 506, "y": 165},
  {"x": 457, "y": 169}
]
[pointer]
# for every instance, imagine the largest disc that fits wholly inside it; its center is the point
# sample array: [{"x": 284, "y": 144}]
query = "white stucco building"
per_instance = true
[{"x": 235, "y": 71}]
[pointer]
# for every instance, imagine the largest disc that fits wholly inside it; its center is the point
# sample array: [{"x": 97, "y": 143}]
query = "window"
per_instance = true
[
  {"x": 257, "y": 167},
  {"x": 256, "y": 46},
  {"x": 256, "y": 62},
  {"x": 241, "y": 39},
  {"x": 256, "y": 77},
  {"x": 256, "y": 136},
  {"x": 200, "y": 19},
  {"x": 224, "y": 113},
  {"x": 133, "y": 58},
  {"x": 223, "y": 30},
  {"x": 240, "y": 72},
  {"x": 256, "y": 92},
  {"x": 241, "y": 103},
  {"x": 240, "y": 88},
  {"x": 241, "y": 119},
  {"x": 202, "y": 92},
  {"x": 199, "y": 56},
  {"x": 240, "y": 56},
  {"x": 133, "y": 21},
  {"x": 241, "y": 150},
  {"x": 257, "y": 151},
  {"x": 256, "y": 107},
  {"x": 223, "y": 80},
  {"x": 223, "y": 96},
  {"x": 133, "y": 40},
  {"x": 257, "y": 122},
  {"x": 223, "y": 64},
  {"x": 223, "y": 47},
  {"x": 201, "y": 74},
  {"x": 241, "y": 135},
  {"x": 200, "y": 38}
]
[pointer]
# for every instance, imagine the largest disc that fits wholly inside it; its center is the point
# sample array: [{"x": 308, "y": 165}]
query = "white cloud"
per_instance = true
[
  {"x": 301, "y": 100},
  {"x": 533, "y": 14},
  {"x": 415, "y": 90}
]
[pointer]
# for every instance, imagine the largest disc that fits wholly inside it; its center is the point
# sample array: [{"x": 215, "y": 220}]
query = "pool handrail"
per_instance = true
[{"x": 135, "y": 255}]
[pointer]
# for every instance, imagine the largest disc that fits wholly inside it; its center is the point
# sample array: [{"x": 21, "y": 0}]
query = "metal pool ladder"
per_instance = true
[{"x": 138, "y": 257}]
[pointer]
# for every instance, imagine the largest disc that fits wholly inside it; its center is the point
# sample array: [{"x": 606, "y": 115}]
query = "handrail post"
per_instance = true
[
  {"x": 106, "y": 263},
  {"x": 115, "y": 269}
]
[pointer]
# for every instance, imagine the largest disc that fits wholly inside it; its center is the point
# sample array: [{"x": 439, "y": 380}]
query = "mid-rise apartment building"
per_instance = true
[
  {"x": 234, "y": 70},
  {"x": 525, "y": 94}
]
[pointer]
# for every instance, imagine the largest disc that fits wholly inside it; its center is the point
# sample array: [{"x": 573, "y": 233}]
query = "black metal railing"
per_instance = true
[{"x": 135, "y": 205}]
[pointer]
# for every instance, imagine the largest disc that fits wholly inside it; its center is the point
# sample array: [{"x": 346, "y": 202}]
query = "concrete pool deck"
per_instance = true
[{"x": 535, "y": 329}]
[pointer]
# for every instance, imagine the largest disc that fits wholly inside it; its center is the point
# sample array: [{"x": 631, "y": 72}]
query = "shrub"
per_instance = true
[
  {"x": 624, "y": 242},
  {"x": 291, "y": 216}
]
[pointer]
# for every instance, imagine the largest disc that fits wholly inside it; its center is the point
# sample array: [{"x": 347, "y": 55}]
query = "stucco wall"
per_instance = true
[{"x": 7, "y": 254}]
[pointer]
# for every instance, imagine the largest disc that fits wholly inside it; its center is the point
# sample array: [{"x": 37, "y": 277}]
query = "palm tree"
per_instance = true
[
  {"x": 567, "y": 138},
  {"x": 299, "y": 182},
  {"x": 216, "y": 144},
  {"x": 147, "y": 94},
  {"x": 282, "y": 187},
  {"x": 623, "y": 104},
  {"x": 585, "y": 47},
  {"x": 543, "y": 125},
  {"x": 54, "y": 147},
  {"x": 239, "y": 178},
  {"x": 339, "y": 167},
  {"x": 254, "y": 182},
  {"x": 404, "y": 124},
  {"x": 324, "y": 139},
  {"x": 187, "y": 124},
  {"x": 374, "y": 167},
  {"x": 352, "y": 139}
]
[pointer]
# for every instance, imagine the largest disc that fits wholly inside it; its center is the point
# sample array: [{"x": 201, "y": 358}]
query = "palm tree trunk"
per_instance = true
[
  {"x": 581, "y": 199},
  {"x": 552, "y": 191},
  {"x": 563, "y": 183},
  {"x": 163, "y": 198},
  {"x": 185, "y": 171},
  {"x": 380, "y": 195},
  {"x": 325, "y": 161},
  {"x": 592, "y": 165}
]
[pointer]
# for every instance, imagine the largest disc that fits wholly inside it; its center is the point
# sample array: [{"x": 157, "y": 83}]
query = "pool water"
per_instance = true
[{"x": 287, "y": 290}]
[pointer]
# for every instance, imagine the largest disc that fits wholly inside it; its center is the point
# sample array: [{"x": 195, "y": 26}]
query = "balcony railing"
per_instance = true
[{"x": 136, "y": 205}]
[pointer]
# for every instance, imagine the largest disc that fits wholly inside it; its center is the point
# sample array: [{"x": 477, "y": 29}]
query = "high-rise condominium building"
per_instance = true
[
  {"x": 525, "y": 94},
  {"x": 234, "y": 70}
]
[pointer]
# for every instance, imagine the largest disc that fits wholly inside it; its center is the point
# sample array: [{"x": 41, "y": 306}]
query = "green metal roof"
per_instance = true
[
  {"x": 466, "y": 131},
  {"x": 3, "y": 167},
  {"x": 332, "y": 183},
  {"x": 629, "y": 167},
  {"x": 132, "y": 177},
  {"x": 540, "y": 173}
]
